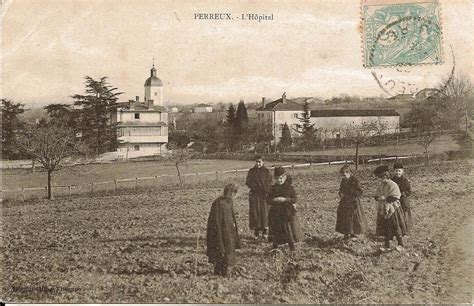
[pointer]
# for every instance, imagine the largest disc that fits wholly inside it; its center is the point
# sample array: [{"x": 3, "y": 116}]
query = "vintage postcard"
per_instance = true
[{"x": 237, "y": 152}]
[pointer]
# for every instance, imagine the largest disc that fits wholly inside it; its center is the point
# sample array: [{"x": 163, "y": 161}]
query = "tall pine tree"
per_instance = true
[
  {"x": 285, "y": 141},
  {"x": 306, "y": 128},
  {"x": 241, "y": 124},
  {"x": 95, "y": 108},
  {"x": 62, "y": 115},
  {"x": 11, "y": 128},
  {"x": 231, "y": 120}
]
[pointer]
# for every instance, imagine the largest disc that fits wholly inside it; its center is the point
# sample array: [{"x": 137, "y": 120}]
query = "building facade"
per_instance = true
[
  {"x": 279, "y": 112},
  {"x": 332, "y": 122},
  {"x": 142, "y": 126},
  {"x": 203, "y": 108}
]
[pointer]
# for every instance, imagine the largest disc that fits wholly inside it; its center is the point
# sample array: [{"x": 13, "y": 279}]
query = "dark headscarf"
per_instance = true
[
  {"x": 279, "y": 171},
  {"x": 397, "y": 166},
  {"x": 381, "y": 171},
  {"x": 230, "y": 190}
]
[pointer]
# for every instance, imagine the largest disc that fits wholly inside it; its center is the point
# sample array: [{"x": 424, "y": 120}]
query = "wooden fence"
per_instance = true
[{"x": 135, "y": 183}]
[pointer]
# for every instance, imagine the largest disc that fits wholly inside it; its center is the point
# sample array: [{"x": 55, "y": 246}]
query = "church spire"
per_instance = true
[{"x": 153, "y": 70}]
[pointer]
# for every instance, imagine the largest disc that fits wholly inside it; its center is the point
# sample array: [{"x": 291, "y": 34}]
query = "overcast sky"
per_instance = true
[{"x": 309, "y": 49}]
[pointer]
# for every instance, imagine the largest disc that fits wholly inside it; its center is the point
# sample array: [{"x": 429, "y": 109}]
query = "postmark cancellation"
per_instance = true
[{"x": 401, "y": 33}]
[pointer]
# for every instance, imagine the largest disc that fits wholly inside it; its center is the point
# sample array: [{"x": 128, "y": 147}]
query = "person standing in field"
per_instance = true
[
  {"x": 222, "y": 232},
  {"x": 390, "y": 220},
  {"x": 351, "y": 219},
  {"x": 405, "y": 190},
  {"x": 282, "y": 217},
  {"x": 259, "y": 180}
]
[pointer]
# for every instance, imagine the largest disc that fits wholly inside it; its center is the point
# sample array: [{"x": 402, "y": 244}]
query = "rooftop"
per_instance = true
[
  {"x": 354, "y": 113},
  {"x": 282, "y": 104},
  {"x": 140, "y": 106}
]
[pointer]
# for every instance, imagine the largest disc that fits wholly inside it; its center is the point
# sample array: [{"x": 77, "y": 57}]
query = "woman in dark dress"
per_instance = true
[
  {"x": 222, "y": 233},
  {"x": 282, "y": 217},
  {"x": 259, "y": 180},
  {"x": 405, "y": 189},
  {"x": 350, "y": 215}
]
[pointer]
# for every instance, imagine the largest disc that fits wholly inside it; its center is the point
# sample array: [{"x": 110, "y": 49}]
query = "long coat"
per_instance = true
[
  {"x": 405, "y": 190},
  {"x": 350, "y": 215},
  {"x": 222, "y": 232},
  {"x": 282, "y": 217},
  {"x": 390, "y": 219},
  {"x": 259, "y": 180}
]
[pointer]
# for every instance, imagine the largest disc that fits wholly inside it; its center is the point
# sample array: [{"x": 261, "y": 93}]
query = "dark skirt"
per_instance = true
[
  {"x": 351, "y": 218},
  {"x": 284, "y": 229},
  {"x": 393, "y": 226},
  {"x": 408, "y": 220},
  {"x": 258, "y": 211},
  {"x": 405, "y": 203}
]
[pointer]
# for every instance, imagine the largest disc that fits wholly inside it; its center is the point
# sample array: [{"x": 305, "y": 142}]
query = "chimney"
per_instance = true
[
  {"x": 263, "y": 102},
  {"x": 150, "y": 103},
  {"x": 283, "y": 98},
  {"x": 137, "y": 98},
  {"x": 130, "y": 104}
]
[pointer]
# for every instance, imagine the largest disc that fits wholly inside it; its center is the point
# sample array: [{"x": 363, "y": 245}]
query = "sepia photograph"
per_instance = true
[{"x": 237, "y": 152}]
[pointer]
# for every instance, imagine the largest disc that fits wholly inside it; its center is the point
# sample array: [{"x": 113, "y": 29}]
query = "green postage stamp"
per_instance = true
[{"x": 401, "y": 33}]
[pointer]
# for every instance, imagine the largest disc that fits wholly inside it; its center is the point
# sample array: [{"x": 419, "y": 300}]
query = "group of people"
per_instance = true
[{"x": 273, "y": 214}]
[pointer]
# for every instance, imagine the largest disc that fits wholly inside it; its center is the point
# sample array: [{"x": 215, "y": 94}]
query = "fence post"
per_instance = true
[
  {"x": 115, "y": 184},
  {"x": 156, "y": 178},
  {"x": 136, "y": 183},
  {"x": 23, "y": 193},
  {"x": 46, "y": 188},
  {"x": 69, "y": 189},
  {"x": 92, "y": 187},
  {"x": 217, "y": 175},
  {"x": 292, "y": 169}
]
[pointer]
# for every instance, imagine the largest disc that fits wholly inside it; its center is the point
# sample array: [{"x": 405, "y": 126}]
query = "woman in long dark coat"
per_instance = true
[
  {"x": 259, "y": 180},
  {"x": 222, "y": 232},
  {"x": 405, "y": 189},
  {"x": 282, "y": 217},
  {"x": 390, "y": 219},
  {"x": 350, "y": 215}
]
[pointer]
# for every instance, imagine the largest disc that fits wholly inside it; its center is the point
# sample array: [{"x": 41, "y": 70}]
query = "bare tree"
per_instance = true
[
  {"x": 50, "y": 146},
  {"x": 361, "y": 133},
  {"x": 179, "y": 156},
  {"x": 425, "y": 140},
  {"x": 456, "y": 95}
]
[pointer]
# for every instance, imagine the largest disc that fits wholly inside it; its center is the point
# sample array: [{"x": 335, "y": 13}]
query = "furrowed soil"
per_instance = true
[{"x": 150, "y": 248}]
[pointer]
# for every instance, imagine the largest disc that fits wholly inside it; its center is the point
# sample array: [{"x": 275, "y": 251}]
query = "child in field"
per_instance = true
[
  {"x": 222, "y": 233},
  {"x": 390, "y": 220},
  {"x": 259, "y": 180},
  {"x": 350, "y": 215},
  {"x": 405, "y": 190},
  {"x": 282, "y": 218}
]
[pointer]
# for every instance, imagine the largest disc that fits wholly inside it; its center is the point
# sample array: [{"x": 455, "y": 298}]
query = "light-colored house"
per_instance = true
[
  {"x": 279, "y": 112},
  {"x": 142, "y": 126},
  {"x": 332, "y": 122},
  {"x": 203, "y": 108}
]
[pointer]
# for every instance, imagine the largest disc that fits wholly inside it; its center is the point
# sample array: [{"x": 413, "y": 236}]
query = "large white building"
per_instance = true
[
  {"x": 331, "y": 123},
  {"x": 142, "y": 126},
  {"x": 279, "y": 112},
  {"x": 203, "y": 108}
]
